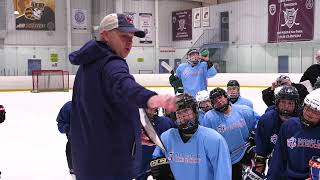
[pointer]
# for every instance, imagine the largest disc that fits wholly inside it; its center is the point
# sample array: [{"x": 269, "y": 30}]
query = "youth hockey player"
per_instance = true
[
  {"x": 194, "y": 74},
  {"x": 283, "y": 80},
  {"x": 287, "y": 105},
  {"x": 204, "y": 104},
  {"x": 234, "y": 123},
  {"x": 194, "y": 151},
  {"x": 161, "y": 124},
  {"x": 298, "y": 142},
  {"x": 233, "y": 90},
  {"x": 63, "y": 120}
]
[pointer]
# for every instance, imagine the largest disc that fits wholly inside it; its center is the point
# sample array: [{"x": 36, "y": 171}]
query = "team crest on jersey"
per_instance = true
[
  {"x": 272, "y": 9},
  {"x": 290, "y": 16},
  {"x": 292, "y": 142},
  {"x": 129, "y": 18},
  {"x": 221, "y": 128},
  {"x": 309, "y": 4},
  {"x": 274, "y": 138}
]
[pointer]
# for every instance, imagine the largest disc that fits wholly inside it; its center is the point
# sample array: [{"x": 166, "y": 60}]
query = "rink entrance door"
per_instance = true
[
  {"x": 33, "y": 64},
  {"x": 283, "y": 64}
]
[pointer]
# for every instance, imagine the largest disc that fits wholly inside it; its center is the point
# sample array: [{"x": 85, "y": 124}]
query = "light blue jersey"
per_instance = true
[
  {"x": 201, "y": 116},
  {"x": 234, "y": 127},
  {"x": 194, "y": 79},
  {"x": 204, "y": 157},
  {"x": 244, "y": 101}
]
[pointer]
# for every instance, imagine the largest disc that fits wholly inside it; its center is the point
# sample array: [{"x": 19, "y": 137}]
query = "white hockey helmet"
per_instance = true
[
  {"x": 313, "y": 100},
  {"x": 202, "y": 96}
]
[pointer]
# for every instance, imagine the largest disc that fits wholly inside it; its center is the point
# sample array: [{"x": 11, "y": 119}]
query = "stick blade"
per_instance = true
[
  {"x": 166, "y": 66},
  {"x": 148, "y": 127}
]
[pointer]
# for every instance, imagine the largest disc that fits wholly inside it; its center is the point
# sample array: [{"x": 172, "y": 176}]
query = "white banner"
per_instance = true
[
  {"x": 197, "y": 17},
  {"x": 146, "y": 26},
  {"x": 79, "y": 20},
  {"x": 205, "y": 16}
]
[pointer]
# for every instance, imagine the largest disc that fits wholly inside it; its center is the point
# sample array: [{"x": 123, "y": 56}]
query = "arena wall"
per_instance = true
[{"x": 252, "y": 80}]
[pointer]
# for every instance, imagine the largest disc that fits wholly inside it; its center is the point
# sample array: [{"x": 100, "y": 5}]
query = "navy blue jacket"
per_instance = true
[
  {"x": 295, "y": 147},
  {"x": 105, "y": 124},
  {"x": 63, "y": 118},
  {"x": 267, "y": 132},
  {"x": 161, "y": 124}
]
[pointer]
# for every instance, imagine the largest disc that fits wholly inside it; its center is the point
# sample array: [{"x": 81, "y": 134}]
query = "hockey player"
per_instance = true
[
  {"x": 287, "y": 105},
  {"x": 63, "y": 120},
  {"x": 204, "y": 104},
  {"x": 194, "y": 151},
  {"x": 161, "y": 124},
  {"x": 234, "y": 123},
  {"x": 233, "y": 90},
  {"x": 298, "y": 142},
  {"x": 283, "y": 80},
  {"x": 194, "y": 74},
  {"x": 2, "y": 114},
  {"x": 313, "y": 71}
]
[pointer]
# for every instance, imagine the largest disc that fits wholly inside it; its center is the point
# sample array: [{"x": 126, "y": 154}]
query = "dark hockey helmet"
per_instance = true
[
  {"x": 282, "y": 79},
  {"x": 193, "y": 50},
  {"x": 233, "y": 97},
  {"x": 317, "y": 83},
  {"x": 288, "y": 93},
  {"x": 187, "y": 126},
  {"x": 215, "y": 93},
  {"x": 233, "y": 83}
]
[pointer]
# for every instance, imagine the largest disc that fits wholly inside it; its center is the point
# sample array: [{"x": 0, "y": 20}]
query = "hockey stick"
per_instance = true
[
  {"x": 240, "y": 148},
  {"x": 166, "y": 66},
  {"x": 148, "y": 127}
]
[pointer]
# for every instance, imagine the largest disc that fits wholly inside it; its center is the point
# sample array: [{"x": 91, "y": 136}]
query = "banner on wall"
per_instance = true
[
  {"x": 31, "y": 15},
  {"x": 290, "y": 20},
  {"x": 79, "y": 20},
  {"x": 182, "y": 25},
  {"x": 146, "y": 26},
  {"x": 205, "y": 16},
  {"x": 197, "y": 18}
]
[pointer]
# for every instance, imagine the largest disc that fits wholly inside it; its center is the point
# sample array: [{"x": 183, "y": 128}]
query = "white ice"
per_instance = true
[{"x": 31, "y": 147}]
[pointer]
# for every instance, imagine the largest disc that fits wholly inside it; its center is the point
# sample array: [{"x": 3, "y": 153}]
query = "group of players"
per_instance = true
[{"x": 217, "y": 134}]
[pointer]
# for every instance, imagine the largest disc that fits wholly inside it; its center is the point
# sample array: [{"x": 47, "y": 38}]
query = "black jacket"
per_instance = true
[
  {"x": 311, "y": 74},
  {"x": 268, "y": 94}
]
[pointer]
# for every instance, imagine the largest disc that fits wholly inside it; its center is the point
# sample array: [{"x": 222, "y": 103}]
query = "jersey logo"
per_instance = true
[
  {"x": 221, "y": 128},
  {"x": 274, "y": 138},
  {"x": 292, "y": 142}
]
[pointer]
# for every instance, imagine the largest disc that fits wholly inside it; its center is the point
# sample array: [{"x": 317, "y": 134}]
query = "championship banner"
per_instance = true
[
  {"x": 146, "y": 26},
  {"x": 290, "y": 20},
  {"x": 182, "y": 25},
  {"x": 205, "y": 16},
  {"x": 197, "y": 18},
  {"x": 35, "y": 15},
  {"x": 79, "y": 20}
]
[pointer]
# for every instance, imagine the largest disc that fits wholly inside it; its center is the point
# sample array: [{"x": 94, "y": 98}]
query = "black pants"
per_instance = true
[
  {"x": 68, "y": 154},
  {"x": 237, "y": 167}
]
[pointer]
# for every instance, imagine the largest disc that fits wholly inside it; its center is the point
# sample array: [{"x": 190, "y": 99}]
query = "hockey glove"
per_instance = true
[
  {"x": 210, "y": 64},
  {"x": 2, "y": 114},
  {"x": 252, "y": 174},
  {"x": 160, "y": 169},
  {"x": 314, "y": 165}
]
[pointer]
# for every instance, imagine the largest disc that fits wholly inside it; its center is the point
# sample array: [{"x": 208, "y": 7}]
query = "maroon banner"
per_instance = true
[
  {"x": 290, "y": 20},
  {"x": 182, "y": 25}
]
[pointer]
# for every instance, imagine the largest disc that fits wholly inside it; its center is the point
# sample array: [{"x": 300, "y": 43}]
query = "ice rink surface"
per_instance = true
[{"x": 31, "y": 147}]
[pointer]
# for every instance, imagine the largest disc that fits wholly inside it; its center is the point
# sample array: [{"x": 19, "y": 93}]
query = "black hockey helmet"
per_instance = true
[
  {"x": 233, "y": 83},
  {"x": 193, "y": 50},
  {"x": 288, "y": 93},
  {"x": 216, "y": 92},
  {"x": 281, "y": 80},
  {"x": 185, "y": 101}
]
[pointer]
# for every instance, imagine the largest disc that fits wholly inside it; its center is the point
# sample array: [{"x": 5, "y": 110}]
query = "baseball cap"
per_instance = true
[
  {"x": 204, "y": 53},
  {"x": 122, "y": 22}
]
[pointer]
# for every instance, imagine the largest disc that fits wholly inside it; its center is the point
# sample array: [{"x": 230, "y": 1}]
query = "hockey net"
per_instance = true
[{"x": 50, "y": 80}]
